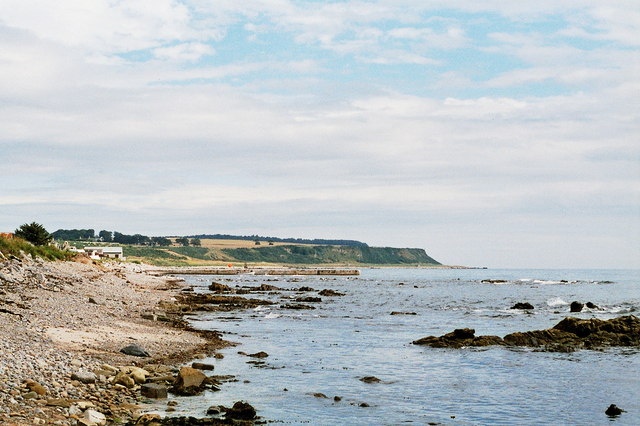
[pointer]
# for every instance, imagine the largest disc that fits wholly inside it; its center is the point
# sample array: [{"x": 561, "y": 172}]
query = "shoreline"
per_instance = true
[{"x": 60, "y": 319}]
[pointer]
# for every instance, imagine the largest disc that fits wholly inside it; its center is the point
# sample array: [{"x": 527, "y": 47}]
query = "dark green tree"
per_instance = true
[
  {"x": 107, "y": 236},
  {"x": 35, "y": 233},
  {"x": 160, "y": 241},
  {"x": 184, "y": 241},
  {"x": 196, "y": 242}
]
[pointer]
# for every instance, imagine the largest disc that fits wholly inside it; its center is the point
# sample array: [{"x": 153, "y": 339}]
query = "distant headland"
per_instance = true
[{"x": 225, "y": 249}]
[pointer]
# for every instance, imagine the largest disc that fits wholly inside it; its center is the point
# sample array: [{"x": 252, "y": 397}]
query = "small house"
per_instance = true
[{"x": 104, "y": 252}]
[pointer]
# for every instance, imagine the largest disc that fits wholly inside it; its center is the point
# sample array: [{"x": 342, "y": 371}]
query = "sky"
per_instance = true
[{"x": 493, "y": 133}]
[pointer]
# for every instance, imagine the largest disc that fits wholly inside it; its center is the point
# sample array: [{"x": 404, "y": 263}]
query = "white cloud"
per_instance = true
[{"x": 183, "y": 52}]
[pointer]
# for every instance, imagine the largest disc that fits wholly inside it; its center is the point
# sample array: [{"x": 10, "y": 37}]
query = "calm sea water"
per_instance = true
[{"x": 327, "y": 350}]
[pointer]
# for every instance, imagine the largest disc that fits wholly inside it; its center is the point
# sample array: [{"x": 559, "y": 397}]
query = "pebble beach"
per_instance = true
[{"x": 63, "y": 325}]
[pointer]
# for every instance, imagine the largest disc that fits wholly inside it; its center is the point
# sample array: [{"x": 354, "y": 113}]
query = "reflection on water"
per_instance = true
[{"x": 327, "y": 350}]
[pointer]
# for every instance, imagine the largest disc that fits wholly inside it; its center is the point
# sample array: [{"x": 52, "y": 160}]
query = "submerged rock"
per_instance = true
[
  {"x": 370, "y": 379},
  {"x": 330, "y": 293},
  {"x": 459, "y": 338},
  {"x": 309, "y": 299},
  {"x": 297, "y": 306}
]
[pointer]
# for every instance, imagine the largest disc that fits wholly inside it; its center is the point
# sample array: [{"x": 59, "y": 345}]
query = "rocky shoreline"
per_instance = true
[
  {"x": 63, "y": 327},
  {"x": 568, "y": 335}
]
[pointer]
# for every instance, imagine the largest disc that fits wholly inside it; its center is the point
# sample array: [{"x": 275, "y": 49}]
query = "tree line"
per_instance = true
[
  {"x": 315, "y": 241},
  {"x": 120, "y": 238}
]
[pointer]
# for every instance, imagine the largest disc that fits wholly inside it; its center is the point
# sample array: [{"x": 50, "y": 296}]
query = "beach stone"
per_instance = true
[
  {"x": 36, "y": 387},
  {"x": 202, "y": 366},
  {"x": 85, "y": 377},
  {"x": 152, "y": 390},
  {"x": 139, "y": 375},
  {"x": 241, "y": 411},
  {"x": 74, "y": 410},
  {"x": 135, "y": 350},
  {"x": 124, "y": 380},
  {"x": 522, "y": 305},
  {"x": 613, "y": 411},
  {"x": 576, "y": 306},
  {"x": 30, "y": 395},
  {"x": 95, "y": 417}
]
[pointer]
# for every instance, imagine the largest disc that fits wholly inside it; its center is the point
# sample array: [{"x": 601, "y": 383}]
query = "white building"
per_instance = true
[{"x": 104, "y": 252}]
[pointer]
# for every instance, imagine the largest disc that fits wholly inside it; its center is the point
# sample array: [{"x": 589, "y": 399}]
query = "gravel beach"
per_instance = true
[{"x": 62, "y": 326}]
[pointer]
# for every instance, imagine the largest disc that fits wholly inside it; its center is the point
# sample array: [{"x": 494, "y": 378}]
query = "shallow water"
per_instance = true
[{"x": 327, "y": 350}]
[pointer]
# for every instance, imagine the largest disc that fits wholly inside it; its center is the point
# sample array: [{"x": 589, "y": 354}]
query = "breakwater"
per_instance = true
[{"x": 205, "y": 270}]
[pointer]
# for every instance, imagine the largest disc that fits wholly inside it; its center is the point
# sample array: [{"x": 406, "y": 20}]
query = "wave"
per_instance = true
[{"x": 556, "y": 301}]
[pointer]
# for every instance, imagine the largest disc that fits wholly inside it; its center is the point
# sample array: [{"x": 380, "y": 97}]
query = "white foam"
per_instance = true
[
  {"x": 272, "y": 315},
  {"x": 556, "y": 301}
]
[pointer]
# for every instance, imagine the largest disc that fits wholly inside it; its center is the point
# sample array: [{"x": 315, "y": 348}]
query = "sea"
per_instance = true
[{"x": 317, "y": 358}]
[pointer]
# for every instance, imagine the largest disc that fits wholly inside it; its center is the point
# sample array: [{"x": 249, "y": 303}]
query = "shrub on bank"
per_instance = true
[{"x": 14, "y": 247}]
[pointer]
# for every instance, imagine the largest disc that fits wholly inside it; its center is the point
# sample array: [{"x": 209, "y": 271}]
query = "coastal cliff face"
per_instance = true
[{"x": 299, "y": 254}]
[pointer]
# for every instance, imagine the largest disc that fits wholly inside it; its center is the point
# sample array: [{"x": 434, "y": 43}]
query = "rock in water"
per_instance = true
[
  {"x": 189, "y": 381},
  {"x": 151, "y": 390},
  {"x": 522, "y": 305},
  {"x": 241, "y": 411},
  {"x": 370, "y": 379},
  {"x": 576, "y": 306},
  {"x": 202, "y": 366},
  {"x": 592, "y": 305},
  {"x": 134, "y": 350},
  {"x": 613, "y": 411}
]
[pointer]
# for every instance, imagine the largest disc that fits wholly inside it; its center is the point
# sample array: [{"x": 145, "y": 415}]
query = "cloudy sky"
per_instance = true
[{"x": 493, "y": 133}]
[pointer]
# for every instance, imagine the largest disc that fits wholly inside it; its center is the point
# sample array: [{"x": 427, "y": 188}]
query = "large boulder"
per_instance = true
[
  {"x": 135, "y": 350},
  {"x": 576, "y": 306},
  {"x": 219, "y": 288},
  {"x": 84, "y": 376},
  {"x": 152, "y": 390},
  {"x": 189, "y": 382}
]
